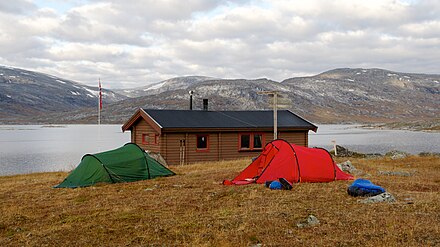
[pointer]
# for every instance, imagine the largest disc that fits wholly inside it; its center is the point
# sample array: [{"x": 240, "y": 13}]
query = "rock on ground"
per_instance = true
[
  {"x": 384, "y": 197},
  {"x": 309, "y": 222},
  {"x": 344, "y": 152},
  {"x": 347, "y": 166},
  {"x": 395, "y": 173},
  {"x": 395, "y": 154}
]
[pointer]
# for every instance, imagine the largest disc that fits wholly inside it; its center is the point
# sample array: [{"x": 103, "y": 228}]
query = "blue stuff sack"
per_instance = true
[
  {"x": 275, "y": 185},
  {"x": 364, "y": 187}
]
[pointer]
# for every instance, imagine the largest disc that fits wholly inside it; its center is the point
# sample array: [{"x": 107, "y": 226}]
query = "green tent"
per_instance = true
[{"x": 126, "y": 164}]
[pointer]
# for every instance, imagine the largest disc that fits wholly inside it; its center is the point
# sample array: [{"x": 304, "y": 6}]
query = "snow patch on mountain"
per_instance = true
[
  {"x": 157, "y": 86},
  {"x": 93, "y": 92}
]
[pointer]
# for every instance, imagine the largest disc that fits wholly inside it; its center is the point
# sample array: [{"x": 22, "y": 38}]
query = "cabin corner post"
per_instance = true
[
  {"x": 133, "y": 134},
  {"x": 306, "y": 135}
]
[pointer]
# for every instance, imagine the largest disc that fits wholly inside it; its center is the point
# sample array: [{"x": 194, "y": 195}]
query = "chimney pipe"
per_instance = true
[
  {"x": 205, "y": 104},
  {"x": 191, "y": 100}
]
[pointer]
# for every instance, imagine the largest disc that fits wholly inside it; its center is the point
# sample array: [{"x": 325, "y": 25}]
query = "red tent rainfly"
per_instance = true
[{"x": 280, "y": 159}]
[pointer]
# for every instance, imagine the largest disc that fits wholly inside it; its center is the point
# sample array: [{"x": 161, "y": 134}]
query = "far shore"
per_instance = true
[
  {"x": 425, "y": 126},
  {"x": 433, "y": 127}
]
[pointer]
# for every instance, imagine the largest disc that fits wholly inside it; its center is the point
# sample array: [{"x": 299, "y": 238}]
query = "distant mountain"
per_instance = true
[
  {"x": 371, "y": 95},
  {"x": 26, "y": 94},
  {"x": 167, "y": 85},
  {"x": 336, "y": 96}
]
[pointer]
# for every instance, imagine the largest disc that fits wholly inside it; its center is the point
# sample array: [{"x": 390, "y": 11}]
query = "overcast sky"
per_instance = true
[{"x": 131, "y": 43}]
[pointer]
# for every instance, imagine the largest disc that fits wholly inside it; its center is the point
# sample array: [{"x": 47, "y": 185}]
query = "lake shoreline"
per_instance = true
[{"x": 41, "y": 148}]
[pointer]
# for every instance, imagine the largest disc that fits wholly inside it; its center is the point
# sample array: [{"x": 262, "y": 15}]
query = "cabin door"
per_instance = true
[{"x": 182, "y": 151}]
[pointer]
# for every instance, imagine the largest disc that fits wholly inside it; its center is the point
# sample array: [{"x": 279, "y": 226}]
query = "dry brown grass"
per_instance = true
[{"x": 193, "y": 209}]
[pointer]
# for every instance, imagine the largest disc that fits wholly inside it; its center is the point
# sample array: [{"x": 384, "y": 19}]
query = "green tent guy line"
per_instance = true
[{"x": 125, "y": 164}]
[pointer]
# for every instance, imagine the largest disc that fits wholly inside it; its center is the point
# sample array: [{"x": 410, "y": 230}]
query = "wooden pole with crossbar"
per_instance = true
[{"x": 275, "y": 111}]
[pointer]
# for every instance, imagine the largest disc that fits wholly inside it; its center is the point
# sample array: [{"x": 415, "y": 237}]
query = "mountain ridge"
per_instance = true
[
  {"x": 25, "y": 93},
  {"x": 343, "y": 95}
]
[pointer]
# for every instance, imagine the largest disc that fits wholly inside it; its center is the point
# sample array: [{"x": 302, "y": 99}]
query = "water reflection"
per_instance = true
[{"x": 36, "y": 148}]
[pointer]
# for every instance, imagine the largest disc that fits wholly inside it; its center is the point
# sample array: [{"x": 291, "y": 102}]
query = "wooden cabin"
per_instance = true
[{"x": 186, "y": 136}]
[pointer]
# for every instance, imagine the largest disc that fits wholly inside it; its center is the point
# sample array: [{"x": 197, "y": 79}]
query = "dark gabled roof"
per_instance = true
[{"x": 226, "y": 119}]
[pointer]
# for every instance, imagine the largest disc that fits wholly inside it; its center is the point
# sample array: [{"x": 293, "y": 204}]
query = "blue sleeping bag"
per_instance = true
[{"x": 364, "y": 187}]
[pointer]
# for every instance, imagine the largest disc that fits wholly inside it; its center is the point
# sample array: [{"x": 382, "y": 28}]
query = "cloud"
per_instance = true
[
  {"x": 17, "y": 7},
  {"x": 133, "y": 43}
]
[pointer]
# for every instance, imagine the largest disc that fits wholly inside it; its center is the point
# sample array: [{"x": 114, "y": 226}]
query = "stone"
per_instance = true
[
  {"x": 428, "y": 154},
  {"x": 384, "y": 197},
  {"x": 373, "y": 156},
  {"x": 344, "y": 152},
  {"x": 347, "y": 166},
  {"x": 309, "y": 222},
  {"x": 158, "y": 157},
  {"x": 395, "y": 173},
  {"x": 395, "y": 154}
]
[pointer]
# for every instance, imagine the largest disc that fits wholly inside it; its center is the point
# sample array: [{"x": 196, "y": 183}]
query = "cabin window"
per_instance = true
[
  {"x": 202, "y": 142},
  {"x": 258, "y": 141},
  {"x": 152, "y": 139},
  {"x": 245, "y": 141},
  {"x": 145, "y": 138},
  {"x": 251, "y": 141}
]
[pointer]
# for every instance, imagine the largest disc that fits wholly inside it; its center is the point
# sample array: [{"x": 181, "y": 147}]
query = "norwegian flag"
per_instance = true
[{"x": 100, "y": 95}]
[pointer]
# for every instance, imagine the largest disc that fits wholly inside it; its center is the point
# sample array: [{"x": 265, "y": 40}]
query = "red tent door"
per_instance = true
[{"x": 283, "y": 164}]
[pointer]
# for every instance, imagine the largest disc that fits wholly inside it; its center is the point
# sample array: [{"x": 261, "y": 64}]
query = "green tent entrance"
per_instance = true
[{"x": 125, "y": 164}]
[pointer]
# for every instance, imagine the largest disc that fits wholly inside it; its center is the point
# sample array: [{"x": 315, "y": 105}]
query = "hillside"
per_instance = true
[
  {"x": 369, "y": 95},
  {"x": 336, "y": 96},
  {"x": 27, "y": 94}
]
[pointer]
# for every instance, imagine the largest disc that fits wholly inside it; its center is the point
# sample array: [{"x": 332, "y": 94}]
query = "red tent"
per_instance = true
[{"x": 281, "y": 159}]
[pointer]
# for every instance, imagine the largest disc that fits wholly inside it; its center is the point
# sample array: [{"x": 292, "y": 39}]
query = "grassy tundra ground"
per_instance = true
[{"x": 193, "y": 209}]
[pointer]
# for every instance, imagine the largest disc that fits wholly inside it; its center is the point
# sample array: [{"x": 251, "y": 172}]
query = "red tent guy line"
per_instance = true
[{"x": 280, "y": 159}]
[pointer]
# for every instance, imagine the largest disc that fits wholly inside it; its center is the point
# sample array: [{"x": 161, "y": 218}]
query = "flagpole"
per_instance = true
[
  {"x": 99, "y": 103},
  {"x": 99, "y": 113}
]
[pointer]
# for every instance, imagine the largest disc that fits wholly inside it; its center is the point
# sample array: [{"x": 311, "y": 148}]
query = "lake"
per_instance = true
[
  {"x": 374, "y": 140},
  {"x": 37, "y": 148}
]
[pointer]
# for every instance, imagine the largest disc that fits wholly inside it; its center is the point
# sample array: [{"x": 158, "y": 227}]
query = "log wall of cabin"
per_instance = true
[
  {"x": 141, "y": 128},
  {"x": 222, "y": 146},
  {"x": 171, "y": 147},
  {"x": 296, "y": 137}
]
